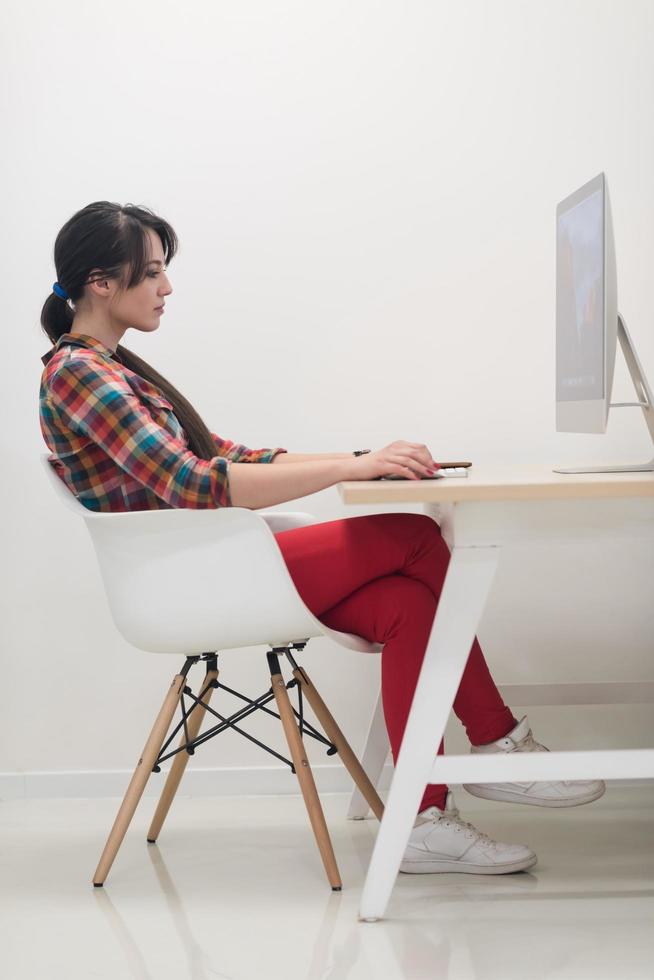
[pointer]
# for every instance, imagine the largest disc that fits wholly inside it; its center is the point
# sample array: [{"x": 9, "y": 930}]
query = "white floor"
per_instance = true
[{"x": 235, "y": 889}]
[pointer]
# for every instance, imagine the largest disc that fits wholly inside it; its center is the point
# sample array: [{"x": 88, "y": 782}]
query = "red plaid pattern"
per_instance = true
[{"x": 116, "y": 441}]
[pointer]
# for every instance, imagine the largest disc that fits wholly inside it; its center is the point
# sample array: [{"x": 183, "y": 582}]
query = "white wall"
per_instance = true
[{"x": 365, "y": 197}]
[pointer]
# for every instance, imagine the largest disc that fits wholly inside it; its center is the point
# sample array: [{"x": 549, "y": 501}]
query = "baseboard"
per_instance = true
[
  {"x": 628, "y": 692},
  {"x": 249, "y": 781}
]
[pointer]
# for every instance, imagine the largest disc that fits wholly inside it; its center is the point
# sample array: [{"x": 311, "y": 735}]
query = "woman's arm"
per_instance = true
[
  {"x": 302, "y": 458},
  {"x": 264, "y": 486}
]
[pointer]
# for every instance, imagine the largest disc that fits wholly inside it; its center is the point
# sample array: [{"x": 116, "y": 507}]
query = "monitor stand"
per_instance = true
[{"x": 645, "y": 401}]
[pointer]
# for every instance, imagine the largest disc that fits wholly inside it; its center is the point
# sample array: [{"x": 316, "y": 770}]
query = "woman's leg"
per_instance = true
[{"x": 380, "y": 576}]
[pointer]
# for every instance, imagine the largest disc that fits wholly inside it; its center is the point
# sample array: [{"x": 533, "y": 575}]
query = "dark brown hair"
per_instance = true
[{"x": 113, "y": 238}]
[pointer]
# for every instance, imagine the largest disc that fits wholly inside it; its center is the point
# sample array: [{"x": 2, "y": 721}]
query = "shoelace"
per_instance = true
[{"x": 452, "y": 818}]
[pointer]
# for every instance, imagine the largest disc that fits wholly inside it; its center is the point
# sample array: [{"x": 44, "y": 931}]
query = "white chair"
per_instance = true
[{"x": 193, "y": 582}]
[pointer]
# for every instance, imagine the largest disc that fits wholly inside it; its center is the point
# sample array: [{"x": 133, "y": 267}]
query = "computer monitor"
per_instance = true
[{"x": 588, "y": 323}]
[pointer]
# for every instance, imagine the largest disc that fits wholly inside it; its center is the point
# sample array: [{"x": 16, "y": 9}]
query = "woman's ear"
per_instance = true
[{"x": 102, "y": 288}]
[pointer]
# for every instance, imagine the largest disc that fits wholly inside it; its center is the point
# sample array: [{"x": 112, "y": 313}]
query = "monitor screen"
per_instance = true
[{"x": 580, "y": 300}]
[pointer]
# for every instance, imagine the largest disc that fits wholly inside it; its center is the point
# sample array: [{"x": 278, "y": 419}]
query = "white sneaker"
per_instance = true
[
  {"x": 441, "y": 841},
  {"x": 572, "y": 793}
]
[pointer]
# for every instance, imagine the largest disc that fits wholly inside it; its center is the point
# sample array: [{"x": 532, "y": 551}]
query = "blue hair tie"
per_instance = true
[{"x": 60, "y": 291}]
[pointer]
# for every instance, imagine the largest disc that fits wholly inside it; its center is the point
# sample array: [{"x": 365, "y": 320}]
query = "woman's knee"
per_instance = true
[
  {"x": 414, "y": 522},
  {"x": 426, "y": 540},
  {"x": 420, "y": 525},
  {"x": 411, "y": 527}
]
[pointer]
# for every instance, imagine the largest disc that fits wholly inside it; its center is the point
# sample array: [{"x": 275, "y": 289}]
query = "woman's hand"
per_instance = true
[{"x": 408, "y": 459}]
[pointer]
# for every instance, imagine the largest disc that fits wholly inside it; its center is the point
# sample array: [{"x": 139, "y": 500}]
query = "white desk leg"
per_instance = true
[
  {"x": 373, "y": 759},
  {"x": 467, "y": 584}
]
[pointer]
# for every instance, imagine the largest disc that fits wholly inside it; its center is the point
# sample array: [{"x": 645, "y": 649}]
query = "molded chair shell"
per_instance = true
[{"x": 189, "y": 581}]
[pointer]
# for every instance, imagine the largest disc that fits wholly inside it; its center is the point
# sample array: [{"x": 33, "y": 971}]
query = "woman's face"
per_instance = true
[{"x": 142, "y": 305}]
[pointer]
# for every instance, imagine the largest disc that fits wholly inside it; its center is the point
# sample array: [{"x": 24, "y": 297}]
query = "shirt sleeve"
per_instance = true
[
  {"x": 237, "y": 453},
  {"x": 98, "y": 403}
]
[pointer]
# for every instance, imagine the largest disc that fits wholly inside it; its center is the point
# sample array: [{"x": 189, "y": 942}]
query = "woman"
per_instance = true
[{"x": 123, "y": 438}]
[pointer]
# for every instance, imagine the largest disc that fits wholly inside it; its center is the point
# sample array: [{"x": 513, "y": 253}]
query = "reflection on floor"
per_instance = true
[{"x": 235, "y": 889}]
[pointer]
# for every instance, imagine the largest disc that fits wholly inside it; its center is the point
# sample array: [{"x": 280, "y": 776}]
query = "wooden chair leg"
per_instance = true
[
  {"x": 335, "y": 735},
  {"x": 139, "y": 779},
  {"x": 181, "y": 759},
  {"x": 306, "y": 781}
]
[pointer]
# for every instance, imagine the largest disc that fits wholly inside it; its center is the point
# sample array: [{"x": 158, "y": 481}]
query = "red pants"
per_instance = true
[{"x": 380, "y": 576}]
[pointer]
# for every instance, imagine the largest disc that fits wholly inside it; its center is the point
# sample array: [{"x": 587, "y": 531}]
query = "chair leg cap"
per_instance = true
[
  {"x": 151, "y": 841},
  {"x": 98, "y": 884}
]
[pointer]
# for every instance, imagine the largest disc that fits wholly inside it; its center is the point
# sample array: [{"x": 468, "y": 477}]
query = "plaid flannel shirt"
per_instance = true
[{"x": 115, "y": 440}]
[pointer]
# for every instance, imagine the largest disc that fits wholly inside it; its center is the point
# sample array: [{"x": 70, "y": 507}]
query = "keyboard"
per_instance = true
[{"x": 444, "y": 471}]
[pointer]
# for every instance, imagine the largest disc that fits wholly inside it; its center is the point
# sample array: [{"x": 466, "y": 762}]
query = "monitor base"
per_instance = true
[
  {"x": 626, "y": 468},
  {"x": 645, "y": 401}
]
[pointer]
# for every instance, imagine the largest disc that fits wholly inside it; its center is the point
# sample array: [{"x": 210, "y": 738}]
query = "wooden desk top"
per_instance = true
[{"x": 500, "y": 482}]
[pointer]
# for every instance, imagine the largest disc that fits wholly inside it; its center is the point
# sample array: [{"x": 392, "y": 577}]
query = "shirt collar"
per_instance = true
[{"x": 79, "y": 340}]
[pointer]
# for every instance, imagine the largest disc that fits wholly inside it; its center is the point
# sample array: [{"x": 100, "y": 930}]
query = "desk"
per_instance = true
[{"x": 477, "y": 515}]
